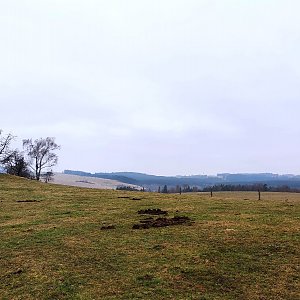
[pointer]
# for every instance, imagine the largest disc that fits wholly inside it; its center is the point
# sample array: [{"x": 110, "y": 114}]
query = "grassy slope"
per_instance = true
[{"x": 238, "y": 247}]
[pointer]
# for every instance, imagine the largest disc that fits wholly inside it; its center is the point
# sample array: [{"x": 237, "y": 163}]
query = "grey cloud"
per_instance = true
[{"x": 164, "y": 87}]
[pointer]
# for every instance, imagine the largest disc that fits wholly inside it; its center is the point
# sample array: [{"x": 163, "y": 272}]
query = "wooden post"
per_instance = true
[
  {"x": 180, "y": 190},
  {"x": 211, "y": 192},
  {"x": 258, "y": 194}
]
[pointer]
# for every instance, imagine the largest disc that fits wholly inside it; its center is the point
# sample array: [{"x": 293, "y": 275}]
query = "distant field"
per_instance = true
[
  {"x": 87, "y": 182},
  {"x": 52, "y": 245}
]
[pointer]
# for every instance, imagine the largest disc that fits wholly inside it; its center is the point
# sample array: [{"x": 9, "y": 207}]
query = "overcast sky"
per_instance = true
[{"x": 156, "y": 86}]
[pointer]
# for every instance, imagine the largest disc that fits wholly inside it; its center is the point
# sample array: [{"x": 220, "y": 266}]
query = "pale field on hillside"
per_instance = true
[{"x": 87, "y": 182}]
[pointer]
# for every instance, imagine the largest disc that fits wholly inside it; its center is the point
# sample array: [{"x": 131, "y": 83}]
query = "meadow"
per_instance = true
[{"x": 53, "y": 246}]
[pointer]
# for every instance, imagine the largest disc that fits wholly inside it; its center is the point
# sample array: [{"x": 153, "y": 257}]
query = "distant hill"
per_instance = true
[
  {"x": 200, "y": 181},
  {"x": 89, "y": 181},
  {"x": 151, "y": 180}
]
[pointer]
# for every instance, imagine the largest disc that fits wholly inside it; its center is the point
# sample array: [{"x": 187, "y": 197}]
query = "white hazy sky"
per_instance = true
[{"x": 157, "y": 86}]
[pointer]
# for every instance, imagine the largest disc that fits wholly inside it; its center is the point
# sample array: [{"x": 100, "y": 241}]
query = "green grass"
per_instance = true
[{"x": 237, "y": 248}]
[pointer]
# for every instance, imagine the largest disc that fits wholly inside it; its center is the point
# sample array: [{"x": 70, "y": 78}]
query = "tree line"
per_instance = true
[
  {"x": 263, "y": 187},
  {"x": 34, "y": 161},
  {"x": 178, "y": 189},
  {"x": 228, "y": 188}
]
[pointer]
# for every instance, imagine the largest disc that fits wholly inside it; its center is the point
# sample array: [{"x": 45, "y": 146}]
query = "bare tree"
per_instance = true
[
  {"x": 5, "y": 141},
  {"x": 40, "y": 154},
  {"x": 48, "y": 176}
]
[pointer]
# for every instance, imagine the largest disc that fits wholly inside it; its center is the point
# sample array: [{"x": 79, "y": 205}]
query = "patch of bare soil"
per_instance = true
[
  {"x": 162, "y": 222},
  {"x": 108, "y": 227},
  {"x": 127, "y": 197},
  {"x": 152, "y": 211},
  {"x": 29, "y": 201},
  {"x": 12, "y": 273}
]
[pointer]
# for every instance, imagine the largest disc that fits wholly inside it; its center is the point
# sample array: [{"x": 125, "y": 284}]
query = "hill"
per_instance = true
[
  {"x": 201, "y": 181},
  {"x": 88, "y": 181},
  {"x": 61, "y": 242}
]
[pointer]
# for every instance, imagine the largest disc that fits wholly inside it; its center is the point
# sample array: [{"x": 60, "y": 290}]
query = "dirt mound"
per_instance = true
[
  {"x": 152, "y": 211},
  {"x": 108, "y": 227},
  {"x": 127, "y": 197},
  {"x": 162, "y": 222},
  {"x": 28, "y": 201}
]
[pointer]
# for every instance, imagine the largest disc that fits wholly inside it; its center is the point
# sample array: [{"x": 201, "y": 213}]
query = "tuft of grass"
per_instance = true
[{"x": 52, "y": 245}]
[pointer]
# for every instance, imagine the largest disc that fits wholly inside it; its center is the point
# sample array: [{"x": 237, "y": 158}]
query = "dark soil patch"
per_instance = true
[
  {"x": 158, "y": 247},
  {"x": 147, "y": 220},
  {"x": 127, "y": 197},
  {"x": 19, "y": 271},
  {"x": 108, "y": 227},
  {"x": 29, "y": 201},
  {"x": 162, "y": 222},
  {"x": 146, "y": 277},
  {"x": 152, "y": 211},
  {"x": 16, "y": 272}
]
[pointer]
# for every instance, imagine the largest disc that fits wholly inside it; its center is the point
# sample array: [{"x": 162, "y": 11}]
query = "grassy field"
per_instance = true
[{"x": 54, "y": 248}]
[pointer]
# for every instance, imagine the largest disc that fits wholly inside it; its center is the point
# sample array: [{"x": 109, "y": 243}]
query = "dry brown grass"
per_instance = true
[{"x": 236, "y": 249}]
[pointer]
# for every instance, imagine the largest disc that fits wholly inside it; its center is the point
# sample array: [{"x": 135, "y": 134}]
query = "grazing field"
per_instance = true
[{"x": 59, "y": 242}]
